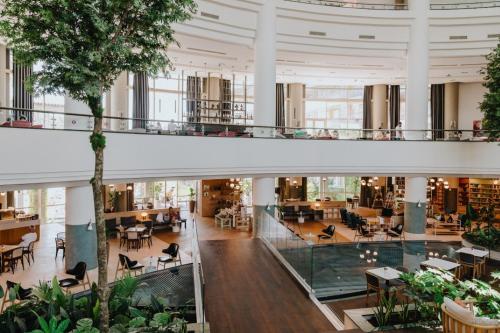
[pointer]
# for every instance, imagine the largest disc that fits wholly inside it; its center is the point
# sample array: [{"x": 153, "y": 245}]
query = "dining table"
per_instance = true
[
  {"x": 440, "y": 264},
  {"x": 136, "y": 229},
  {"x": 385, "y": 273},
  {"x": 474, "y": 252}
]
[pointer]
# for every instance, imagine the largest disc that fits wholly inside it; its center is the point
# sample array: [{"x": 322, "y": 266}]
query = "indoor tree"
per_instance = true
[
  {"x": 491, "y": 103},
  {"x": 82, "y": 46}
]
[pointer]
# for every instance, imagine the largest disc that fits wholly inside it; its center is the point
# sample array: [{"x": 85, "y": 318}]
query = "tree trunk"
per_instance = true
[{"x": 97, "y": 141}]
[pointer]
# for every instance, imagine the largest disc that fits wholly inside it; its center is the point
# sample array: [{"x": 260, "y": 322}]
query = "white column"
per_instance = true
[
  {"x": 450, "y": 106},
  {"x": 119, "y": 102},
  {"x": 81, "y": 242},
  {"x": 76, "y": 122},
  {"x": 296, "y": 108},
  {"x": 379, "y": 106},
  {"x": 265, "y": 69},
  {"x": 415, "y": 207},
  {"x": 4, "y": 86},
  {"x": 418, "y": 67}
]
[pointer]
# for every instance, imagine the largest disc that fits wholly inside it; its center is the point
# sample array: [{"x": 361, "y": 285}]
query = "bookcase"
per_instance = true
[{"x": 479, "y": 192}]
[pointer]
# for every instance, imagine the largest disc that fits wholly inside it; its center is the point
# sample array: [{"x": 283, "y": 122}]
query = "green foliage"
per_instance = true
[
  {"x": 83, "y": 45},
  {"x": 491, "y": 103},
  {"x": 385, "y": 308},
  {"x": 487, "y": 237},
  {"x": 98, "y": 141},
  {"x": 192, "y": 193},
  {"x": 486, "y": 300},
  {"x": 85, "y": 325},
  {"x": 53, "y": 326}
]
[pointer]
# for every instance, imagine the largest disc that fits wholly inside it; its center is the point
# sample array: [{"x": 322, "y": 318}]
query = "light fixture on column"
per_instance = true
[
  {"x": 419, "y": 204},
  {"x": 267, "y": 207}
]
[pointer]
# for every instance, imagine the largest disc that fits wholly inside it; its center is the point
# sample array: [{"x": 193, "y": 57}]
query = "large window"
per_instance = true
[
  {"x": 48, "y": 203},
  {"x": 335, "y": 108},
  {"x": 335, "y": 188}
]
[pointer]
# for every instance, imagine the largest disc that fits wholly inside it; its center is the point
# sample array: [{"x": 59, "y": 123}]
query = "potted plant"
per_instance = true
[{"x": 192, "y": 201}]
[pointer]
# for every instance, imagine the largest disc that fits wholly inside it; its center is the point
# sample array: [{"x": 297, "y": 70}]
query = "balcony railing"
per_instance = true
[
  {"x": 48, "y": 120},
  {"x": 451, "y": 5},
  {"x": 435, "y": 5},
  {"x": 356, "y": 5}
]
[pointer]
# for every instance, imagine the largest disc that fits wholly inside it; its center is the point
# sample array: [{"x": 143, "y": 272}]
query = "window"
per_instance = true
[
  {"x": 334, "y": 108},
  {"x": 335, "y": 188},
  {"x": 55, "y": 208},
  {"x": 313, "y": 188}
]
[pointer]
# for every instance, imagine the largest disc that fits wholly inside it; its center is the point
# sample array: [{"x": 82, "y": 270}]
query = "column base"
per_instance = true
[
  {"x": 412, "y": 236},
  {"x": 81, "y": 245},
  {"x": 415, "y": 217}
]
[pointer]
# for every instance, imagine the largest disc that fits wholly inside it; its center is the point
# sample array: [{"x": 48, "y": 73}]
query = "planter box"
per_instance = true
[{"x": 495, "y": 255}]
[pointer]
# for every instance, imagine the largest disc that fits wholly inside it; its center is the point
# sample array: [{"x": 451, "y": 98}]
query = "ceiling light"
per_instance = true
[
  {"x": 440, "y": 179},
  {"x": 375, "y": 178},
  {"x": 111, "y": 185},
  {"x": 2, "y": 194},
  {"x": 433, "y": 180},
  {"x": 129, "y": 188}
]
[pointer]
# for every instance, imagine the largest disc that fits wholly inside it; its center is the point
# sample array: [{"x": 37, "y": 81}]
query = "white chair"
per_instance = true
[{"x": 133, "y": 240}]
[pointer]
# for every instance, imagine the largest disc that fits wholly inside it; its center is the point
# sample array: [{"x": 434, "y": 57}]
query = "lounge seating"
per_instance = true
[
  {"x": 81, "y": 277},
  {"x": 328, "y": 234},
  {"x": 60, "y": 245},
  {"x": 363, "y": 232},
  {"x": 11, "y": 259},
  {"x": 396, "y": 232},
  {"x": 21, "y": 295},
  {"x": 456, "y": 319},
  {"x": 127, "y": 266},
  {"x": 173, "y": 256}
]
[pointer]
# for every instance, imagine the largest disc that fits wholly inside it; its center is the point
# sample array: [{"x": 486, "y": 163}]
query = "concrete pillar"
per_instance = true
[
  {"x": 296, "y": 105},
  {"x": 415, "y": 207},
  {"x": 77, "y": 122},
  {"x": 4, "y": 84},
  {"x": 379, "y": 107},
  {"x": 418, "y": 70},
  {"x": 119, "y": 102},
  {"x": 81, "y": 241},
  {"x": 265, "y": 70},
  {"x": 451, "y": 106},
  {"x": 263, "y": 194}
]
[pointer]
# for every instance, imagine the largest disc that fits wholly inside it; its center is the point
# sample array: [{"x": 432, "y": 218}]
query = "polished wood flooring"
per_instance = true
[{"x": 247, "y": 290}]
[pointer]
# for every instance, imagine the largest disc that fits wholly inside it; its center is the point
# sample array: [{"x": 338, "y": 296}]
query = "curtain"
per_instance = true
[
  {"x": 140, "y": 106},
  {"x": 394, "y": 107},
  {"x": 280, "y": 105},
  {"x": 437, "y": 111},
  {"x": 22, "y": 99},
  {"x": 367, "y": 109},
  {"x": 193, "y": 96}
]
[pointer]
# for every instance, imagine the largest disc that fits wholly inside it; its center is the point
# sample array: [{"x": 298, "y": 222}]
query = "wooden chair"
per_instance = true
[
  {"x": 81, "y": 277},
  {"x": 372, "y": 283},
  {"x": 21, "y": 295},
  {"x": 133, "y": 240},
  {"x": 173, "y": 256},
  {"x": 468, "y": 261},
  {"x": 147, "y": 237},
  {"x": 127, "y": 266},
  {"x": 122, "y": 236},
  {"x": 481, "y": 261},
  {"x": 11, "y": 259},
  {"x": 29, "y": 252},
  {"x": 453, "y": 323},
  {"x": 60, "y": 245}
]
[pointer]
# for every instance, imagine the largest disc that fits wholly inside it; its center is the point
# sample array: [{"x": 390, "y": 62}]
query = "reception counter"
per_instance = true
[{"x": 12, "y": 230}]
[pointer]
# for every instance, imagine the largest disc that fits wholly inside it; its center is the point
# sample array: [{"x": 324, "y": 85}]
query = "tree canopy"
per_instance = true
[
  {"x": 83, "y": 45},
  {"x": 491, "y": 103}
]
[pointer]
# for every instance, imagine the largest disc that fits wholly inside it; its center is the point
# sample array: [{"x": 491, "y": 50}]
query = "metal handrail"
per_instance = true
[
  {"x": 183, "y": 127},
  {"x": 355, "y": 5},
  {"x": 465, "y": 5}
]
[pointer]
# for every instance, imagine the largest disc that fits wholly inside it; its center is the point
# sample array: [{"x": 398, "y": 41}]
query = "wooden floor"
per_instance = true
[{"x": 247, "y": 290}]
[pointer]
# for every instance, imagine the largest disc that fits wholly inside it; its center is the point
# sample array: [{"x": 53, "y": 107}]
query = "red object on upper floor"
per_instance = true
[{"x": 21, "y": 123}]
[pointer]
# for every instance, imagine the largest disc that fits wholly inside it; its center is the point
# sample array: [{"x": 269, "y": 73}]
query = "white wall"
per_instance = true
[
  {"x": 469, "y": 97},
  {"x": 65, "y": 158}
]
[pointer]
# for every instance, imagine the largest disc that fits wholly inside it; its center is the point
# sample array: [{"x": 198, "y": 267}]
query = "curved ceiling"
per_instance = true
[{"x": 331, "y": 45}]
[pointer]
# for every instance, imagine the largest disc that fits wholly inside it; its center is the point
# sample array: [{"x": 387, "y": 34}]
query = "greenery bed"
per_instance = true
[
  {"x": 51, "y": 310},
  {"x": 488, "y": 237}
]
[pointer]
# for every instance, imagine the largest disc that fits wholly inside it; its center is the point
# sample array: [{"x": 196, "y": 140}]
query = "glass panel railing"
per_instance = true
[
  {"x": 460, "y": 4},
  {"x": 199, "y": 282},
  {"x": 373, "y": 5},
  {"x": 34, "y": 119}
]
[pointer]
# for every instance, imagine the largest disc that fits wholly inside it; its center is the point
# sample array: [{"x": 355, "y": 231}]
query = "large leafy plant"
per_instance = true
[
  {"x": 82, "y": 46},
  {"x": 491, "y": 103}
]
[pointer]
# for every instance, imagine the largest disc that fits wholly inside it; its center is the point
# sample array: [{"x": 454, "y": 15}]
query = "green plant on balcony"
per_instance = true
[{"x": 491, "y": 103}]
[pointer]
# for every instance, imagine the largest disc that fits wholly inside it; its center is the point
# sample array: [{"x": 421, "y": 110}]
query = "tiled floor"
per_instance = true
[{"x": 46, "y": 266}]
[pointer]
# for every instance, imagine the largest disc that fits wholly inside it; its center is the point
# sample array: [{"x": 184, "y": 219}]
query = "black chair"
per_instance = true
[
  {"x": 328, "y": 233},
  {"x": 363, "y": 232},
  {"x": 173, "y": 256},
  {"x": 29, "y": 252},
  {"x": 396, "y": 232},
  {"x": 60, "y": 245},
  {"x": 81, "y": 278},
  {"x": 21, "y": 295},
  {"x": 147, "y": 237},
  {"x": 343, "y": 215},
  {"x": 128, "y": 221},
  {"x": 111, "y": 227},
  {"x": 11, "y": 258},
  {"x": 127, "y": 266},
  {"x": 387, "y": 212}
]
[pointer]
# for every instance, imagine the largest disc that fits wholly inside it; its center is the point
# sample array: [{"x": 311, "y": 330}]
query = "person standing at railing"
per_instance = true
[{"x": 399, "y": 131}]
